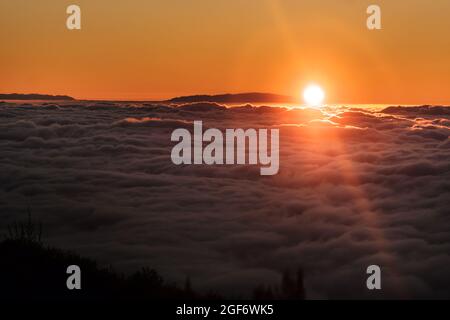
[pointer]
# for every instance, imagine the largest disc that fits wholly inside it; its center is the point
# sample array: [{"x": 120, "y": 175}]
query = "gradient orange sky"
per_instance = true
[{"x": 149, "y": 49}]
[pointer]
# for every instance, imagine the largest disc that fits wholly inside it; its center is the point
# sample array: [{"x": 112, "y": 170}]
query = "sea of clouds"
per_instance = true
[{"x": 356, "y": 187}]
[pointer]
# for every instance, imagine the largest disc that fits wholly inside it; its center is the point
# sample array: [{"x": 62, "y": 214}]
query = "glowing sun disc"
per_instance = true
[{"x": 313, "y": 95}]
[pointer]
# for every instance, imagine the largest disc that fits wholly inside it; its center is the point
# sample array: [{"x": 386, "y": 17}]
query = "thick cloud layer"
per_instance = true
[{"x": 356, "y": 187}]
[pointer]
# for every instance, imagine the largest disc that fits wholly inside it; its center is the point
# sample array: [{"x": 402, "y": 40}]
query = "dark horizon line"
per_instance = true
[
  {"x": 219, "y": 95},
  {"x": 196, "y": 98}
]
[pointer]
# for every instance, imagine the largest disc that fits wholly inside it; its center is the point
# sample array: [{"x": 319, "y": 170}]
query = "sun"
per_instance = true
[{"x": 313, "y": 95}]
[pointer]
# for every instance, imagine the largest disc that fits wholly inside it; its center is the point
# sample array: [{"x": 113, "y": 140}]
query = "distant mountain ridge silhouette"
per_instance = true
[
  {"x": 33, "y": 96},
  {"x": 239, "y": 98},
  {"x": 249, "y": 97}
]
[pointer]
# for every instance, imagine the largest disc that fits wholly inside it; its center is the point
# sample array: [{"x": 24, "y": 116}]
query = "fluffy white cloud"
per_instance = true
[{"x": 355, "y": 187}]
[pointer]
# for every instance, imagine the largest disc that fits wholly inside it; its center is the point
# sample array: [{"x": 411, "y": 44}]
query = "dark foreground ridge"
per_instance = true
[
  {"x": 31, "y": 270},
  {"x": 33, "y": 96}
]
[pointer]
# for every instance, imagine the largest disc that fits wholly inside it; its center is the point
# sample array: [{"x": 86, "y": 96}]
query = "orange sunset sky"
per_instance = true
[{"x": 149, "y": 49}]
